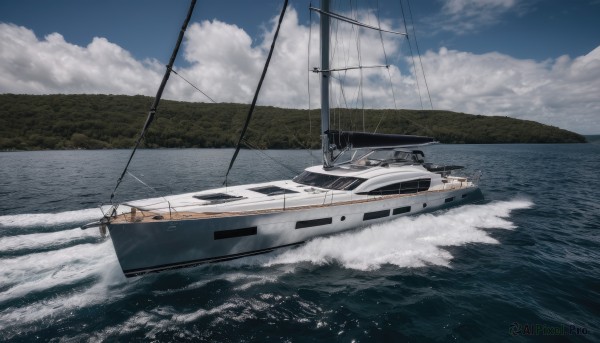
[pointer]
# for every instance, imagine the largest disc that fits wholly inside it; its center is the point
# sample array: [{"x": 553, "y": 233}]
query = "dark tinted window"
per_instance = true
[
  {"x": 401, "y": 210},
  {"x": 313, "y": 222},
  {"x": 375, "y": 215},
  {"x": 328, "y": 181},
  {"x": 249, "y": 231},
  {"x": 406, "y": 187},
  {"x": 415, "y": 186}
]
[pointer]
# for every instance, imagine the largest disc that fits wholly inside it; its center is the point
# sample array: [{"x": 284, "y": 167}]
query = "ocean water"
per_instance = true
[{"x": 524, "y": 265}]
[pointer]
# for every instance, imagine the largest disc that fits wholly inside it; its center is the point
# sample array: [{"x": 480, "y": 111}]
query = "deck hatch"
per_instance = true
[
  {"x": 272, "y": 190},
  {"x": 375, "y": 215},
  {"x": 217, "y": 198},
  {"x": 401, "y": 210},
  {"x": 224, "y": 234},
  {"x": 313, "y": 222}
]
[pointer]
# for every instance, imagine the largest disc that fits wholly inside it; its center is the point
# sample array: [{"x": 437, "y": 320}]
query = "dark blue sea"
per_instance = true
[{"x": 524, "y": 265}]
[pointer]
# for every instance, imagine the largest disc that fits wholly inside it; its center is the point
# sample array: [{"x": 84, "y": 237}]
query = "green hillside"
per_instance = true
[{"x": 35, "y": 122}]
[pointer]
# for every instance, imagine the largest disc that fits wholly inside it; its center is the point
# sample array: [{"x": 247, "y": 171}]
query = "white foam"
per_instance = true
[
  {"x": 41, "y": 271},
  {"x": 248, "y": 280},
  {"x": 191, "y": 317},
  {"x": 225, "y": 310},
  {"x": 407, "y": 241},
  {"x": 50, "y": 219},
  {"x": 55, "y": 307},
  {"x": 44, "y": 240},
  {"x": 154, "y": 321}
]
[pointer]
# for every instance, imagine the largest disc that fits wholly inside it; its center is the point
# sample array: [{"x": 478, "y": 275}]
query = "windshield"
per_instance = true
[{"x": 328, "y": 181}]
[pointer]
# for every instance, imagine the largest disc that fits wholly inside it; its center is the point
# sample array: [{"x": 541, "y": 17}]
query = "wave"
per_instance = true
[
  {"x": 42, "y": 285},
  {"x": 40, "y": 271},
  {"x": 50, "y": 219},
  {"x": 42, "y": 279},
  {"x": 44, "y": 240},
  {"x": 413, "y": 241}
]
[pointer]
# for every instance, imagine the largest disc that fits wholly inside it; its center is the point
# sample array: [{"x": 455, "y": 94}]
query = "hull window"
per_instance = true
[
  {"x": 465, "y": 195},
  {"x": 313, "y": 222},
  {"x": 401, "y": 210},
  {"x": 248, "y": 231},
  {"x": 449, "y": 200},
  {"x": 375, "y": 215}
]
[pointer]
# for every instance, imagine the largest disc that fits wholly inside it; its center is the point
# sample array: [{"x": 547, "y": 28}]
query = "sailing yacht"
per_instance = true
[{"x": 365, "y": 178}]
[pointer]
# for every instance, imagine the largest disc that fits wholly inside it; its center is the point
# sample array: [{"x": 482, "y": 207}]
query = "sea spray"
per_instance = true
[
  {"x": 412, "y": 241},
  {"x": 50, "y": 219},
  {"x": 92, "y": 269},
  {"x": 43, "y": 240}
]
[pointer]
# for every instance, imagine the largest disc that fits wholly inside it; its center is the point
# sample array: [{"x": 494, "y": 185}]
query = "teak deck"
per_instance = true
[{"x": 142, "y": 216}]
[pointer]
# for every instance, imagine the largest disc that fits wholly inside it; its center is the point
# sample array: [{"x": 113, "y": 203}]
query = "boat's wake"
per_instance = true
[
  {"x": 46, "y": 272},
  {"x": 50, "y": 219},
  {"x": 413, "y": 241}
]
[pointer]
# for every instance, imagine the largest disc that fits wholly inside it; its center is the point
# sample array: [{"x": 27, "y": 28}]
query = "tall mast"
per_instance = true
[{"x": 327, "y": 163}]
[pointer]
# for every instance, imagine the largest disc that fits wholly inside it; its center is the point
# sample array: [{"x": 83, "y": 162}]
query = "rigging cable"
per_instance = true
[
  {"x": 308, "y": 82},
  {"x": 388, "y": 71},
  {"x": 262, "y": 77},
  {"x": 163, "y": 83},
  {"x": 412, "y": 55},
  {"x": 191, "y": 84},
  {"x": 333, "y": 47},
  {"x": 261, "y": 151},
  {"x": 360, "y": 93},
  {"x": 308, "y": 65},
  {"x": 352, "y": 21},
  {"x": 419, "y": 52},
  {"x": 344, "y": 56}
]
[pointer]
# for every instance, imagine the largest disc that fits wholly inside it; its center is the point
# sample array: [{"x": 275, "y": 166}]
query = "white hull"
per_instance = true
[{"x": 143, "y": 247}]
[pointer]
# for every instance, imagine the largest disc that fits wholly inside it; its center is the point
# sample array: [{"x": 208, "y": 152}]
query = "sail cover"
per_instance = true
[{"x": 351, "y": 139}]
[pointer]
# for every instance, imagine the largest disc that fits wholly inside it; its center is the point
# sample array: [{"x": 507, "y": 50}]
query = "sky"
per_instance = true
[{"x": 528, "y": 59}]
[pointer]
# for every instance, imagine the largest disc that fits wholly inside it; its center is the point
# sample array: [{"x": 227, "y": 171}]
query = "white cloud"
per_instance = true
[
  {"x": 464, "y": 16},
  {"x": 224, "y": 62},
  {"x": 51, "y": 65},
  {"x": 459, "y": 6},
  {"x": 562, "y": 92}
]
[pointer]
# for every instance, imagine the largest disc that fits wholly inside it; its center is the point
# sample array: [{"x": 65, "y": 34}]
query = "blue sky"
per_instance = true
[
  {"x": 539, "y": 55},
  {"x": 536, "y": 29}
]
